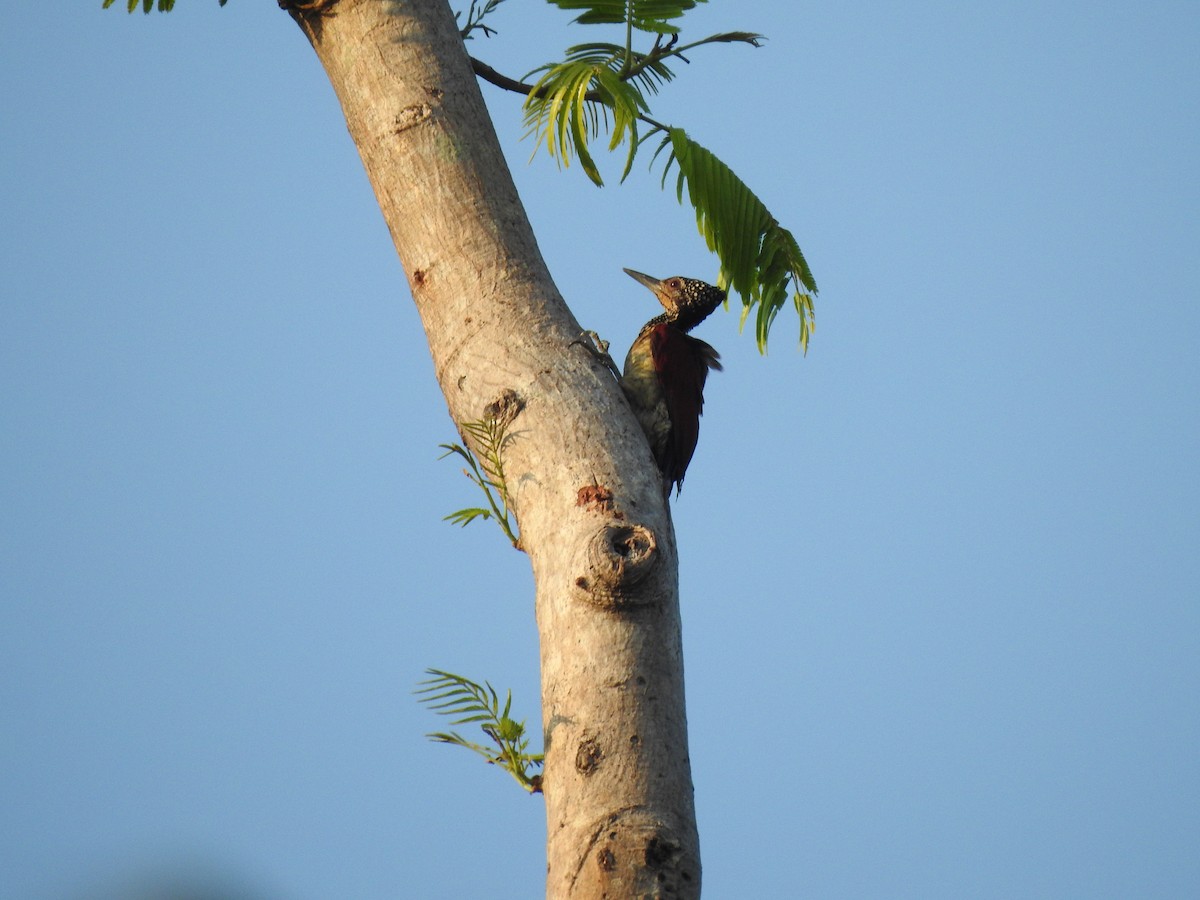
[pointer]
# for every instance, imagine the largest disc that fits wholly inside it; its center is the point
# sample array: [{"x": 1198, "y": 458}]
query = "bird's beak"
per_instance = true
[{"x": 654, "y": 284}]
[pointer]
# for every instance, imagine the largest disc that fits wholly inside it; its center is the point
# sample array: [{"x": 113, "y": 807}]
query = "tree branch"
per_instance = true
[{"x": 490, "y": 75}]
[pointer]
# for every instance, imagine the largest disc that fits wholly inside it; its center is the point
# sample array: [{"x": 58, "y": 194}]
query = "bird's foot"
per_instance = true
[{"x": 598, "y": 347}]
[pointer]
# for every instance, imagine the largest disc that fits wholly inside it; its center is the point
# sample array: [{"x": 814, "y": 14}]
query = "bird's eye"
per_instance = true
[{"x": 674, "y": 282}]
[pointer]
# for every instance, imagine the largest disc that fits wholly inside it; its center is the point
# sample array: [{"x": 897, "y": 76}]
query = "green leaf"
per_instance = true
[
  {"x": 466, "y": 702},
  {"x": 573, "y": 100},
  {"x": 557, "y": 112},
  {"x": 759, "y": 258},
  {"x": 645, "y": 15},
  {"x": 465, "y": 517},
  {"x": 456, "y": 449},
  {"x": 490, "y": 435}
]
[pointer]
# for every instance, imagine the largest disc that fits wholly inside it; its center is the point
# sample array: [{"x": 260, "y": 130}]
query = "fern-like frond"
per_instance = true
[
  {"x": 569, "y": 103},
  {"x": 466, "y": 702},
  {"x": 460, "y": 698},
  {"x": 555, "y": 112},
  {"x": 644, "y": 15},
  {"x": 759, "y": 258},
  {"x": 646, "y": 70},
  {"x": 595, "y": 52},
  {"x": 490, "y": 436}
]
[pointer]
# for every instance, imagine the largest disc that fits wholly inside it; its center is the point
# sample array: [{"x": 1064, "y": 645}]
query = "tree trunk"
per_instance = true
[{"x": 586, "y": 494}]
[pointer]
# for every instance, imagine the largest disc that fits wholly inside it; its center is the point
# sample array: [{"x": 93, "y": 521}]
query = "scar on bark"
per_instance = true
[
  {"x": 597, "y": 498},
  {"x": 410, "y": 116}
]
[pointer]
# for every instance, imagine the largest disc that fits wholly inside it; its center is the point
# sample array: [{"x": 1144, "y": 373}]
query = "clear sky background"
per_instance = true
[{"x": 941, "y": 577}]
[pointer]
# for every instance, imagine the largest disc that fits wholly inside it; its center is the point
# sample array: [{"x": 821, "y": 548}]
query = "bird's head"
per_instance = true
[{"x": 688, "y": 301}]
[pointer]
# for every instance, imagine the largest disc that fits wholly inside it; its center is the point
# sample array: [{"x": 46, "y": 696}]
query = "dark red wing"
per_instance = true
[{"x": 681, "y": 363}]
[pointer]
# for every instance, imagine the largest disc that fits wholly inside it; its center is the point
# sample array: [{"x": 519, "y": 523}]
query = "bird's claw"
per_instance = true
[
  {"x": 591, "y": 341},
  {"x": 598, "y": 347}
]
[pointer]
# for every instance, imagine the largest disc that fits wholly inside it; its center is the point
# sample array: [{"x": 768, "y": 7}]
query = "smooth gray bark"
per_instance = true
[{"x": 617, "y": 780}]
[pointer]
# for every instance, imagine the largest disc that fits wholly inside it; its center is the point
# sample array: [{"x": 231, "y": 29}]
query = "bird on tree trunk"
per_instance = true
[{"x": 665, "y": 371}]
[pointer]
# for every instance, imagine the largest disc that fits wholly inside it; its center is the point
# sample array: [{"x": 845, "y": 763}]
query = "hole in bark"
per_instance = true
[
  {"x": 629, "y": 542},
  {"x": 659, "y": 851},
  {"x": 504, "y": 408}
]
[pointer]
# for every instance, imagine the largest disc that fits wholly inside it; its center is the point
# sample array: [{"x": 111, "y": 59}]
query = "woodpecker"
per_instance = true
[{"x": 665, "y": 372}]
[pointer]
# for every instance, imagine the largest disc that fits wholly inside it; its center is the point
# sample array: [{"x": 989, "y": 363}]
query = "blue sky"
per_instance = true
[{"x": 940, "y": 577}]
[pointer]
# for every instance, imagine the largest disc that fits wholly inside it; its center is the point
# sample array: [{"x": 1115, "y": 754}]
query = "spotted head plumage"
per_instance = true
[{"x": 687, "y": 301}]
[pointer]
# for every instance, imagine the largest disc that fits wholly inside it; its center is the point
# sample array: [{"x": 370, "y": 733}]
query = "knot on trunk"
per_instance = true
[{"x": 619, "y": 558}]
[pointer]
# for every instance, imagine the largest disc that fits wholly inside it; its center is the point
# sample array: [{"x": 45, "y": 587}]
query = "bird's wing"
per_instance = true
[{"x": 681, "y": 363}]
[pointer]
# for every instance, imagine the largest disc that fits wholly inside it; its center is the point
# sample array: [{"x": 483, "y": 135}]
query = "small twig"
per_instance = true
[{"x": 475, "y": 19}]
